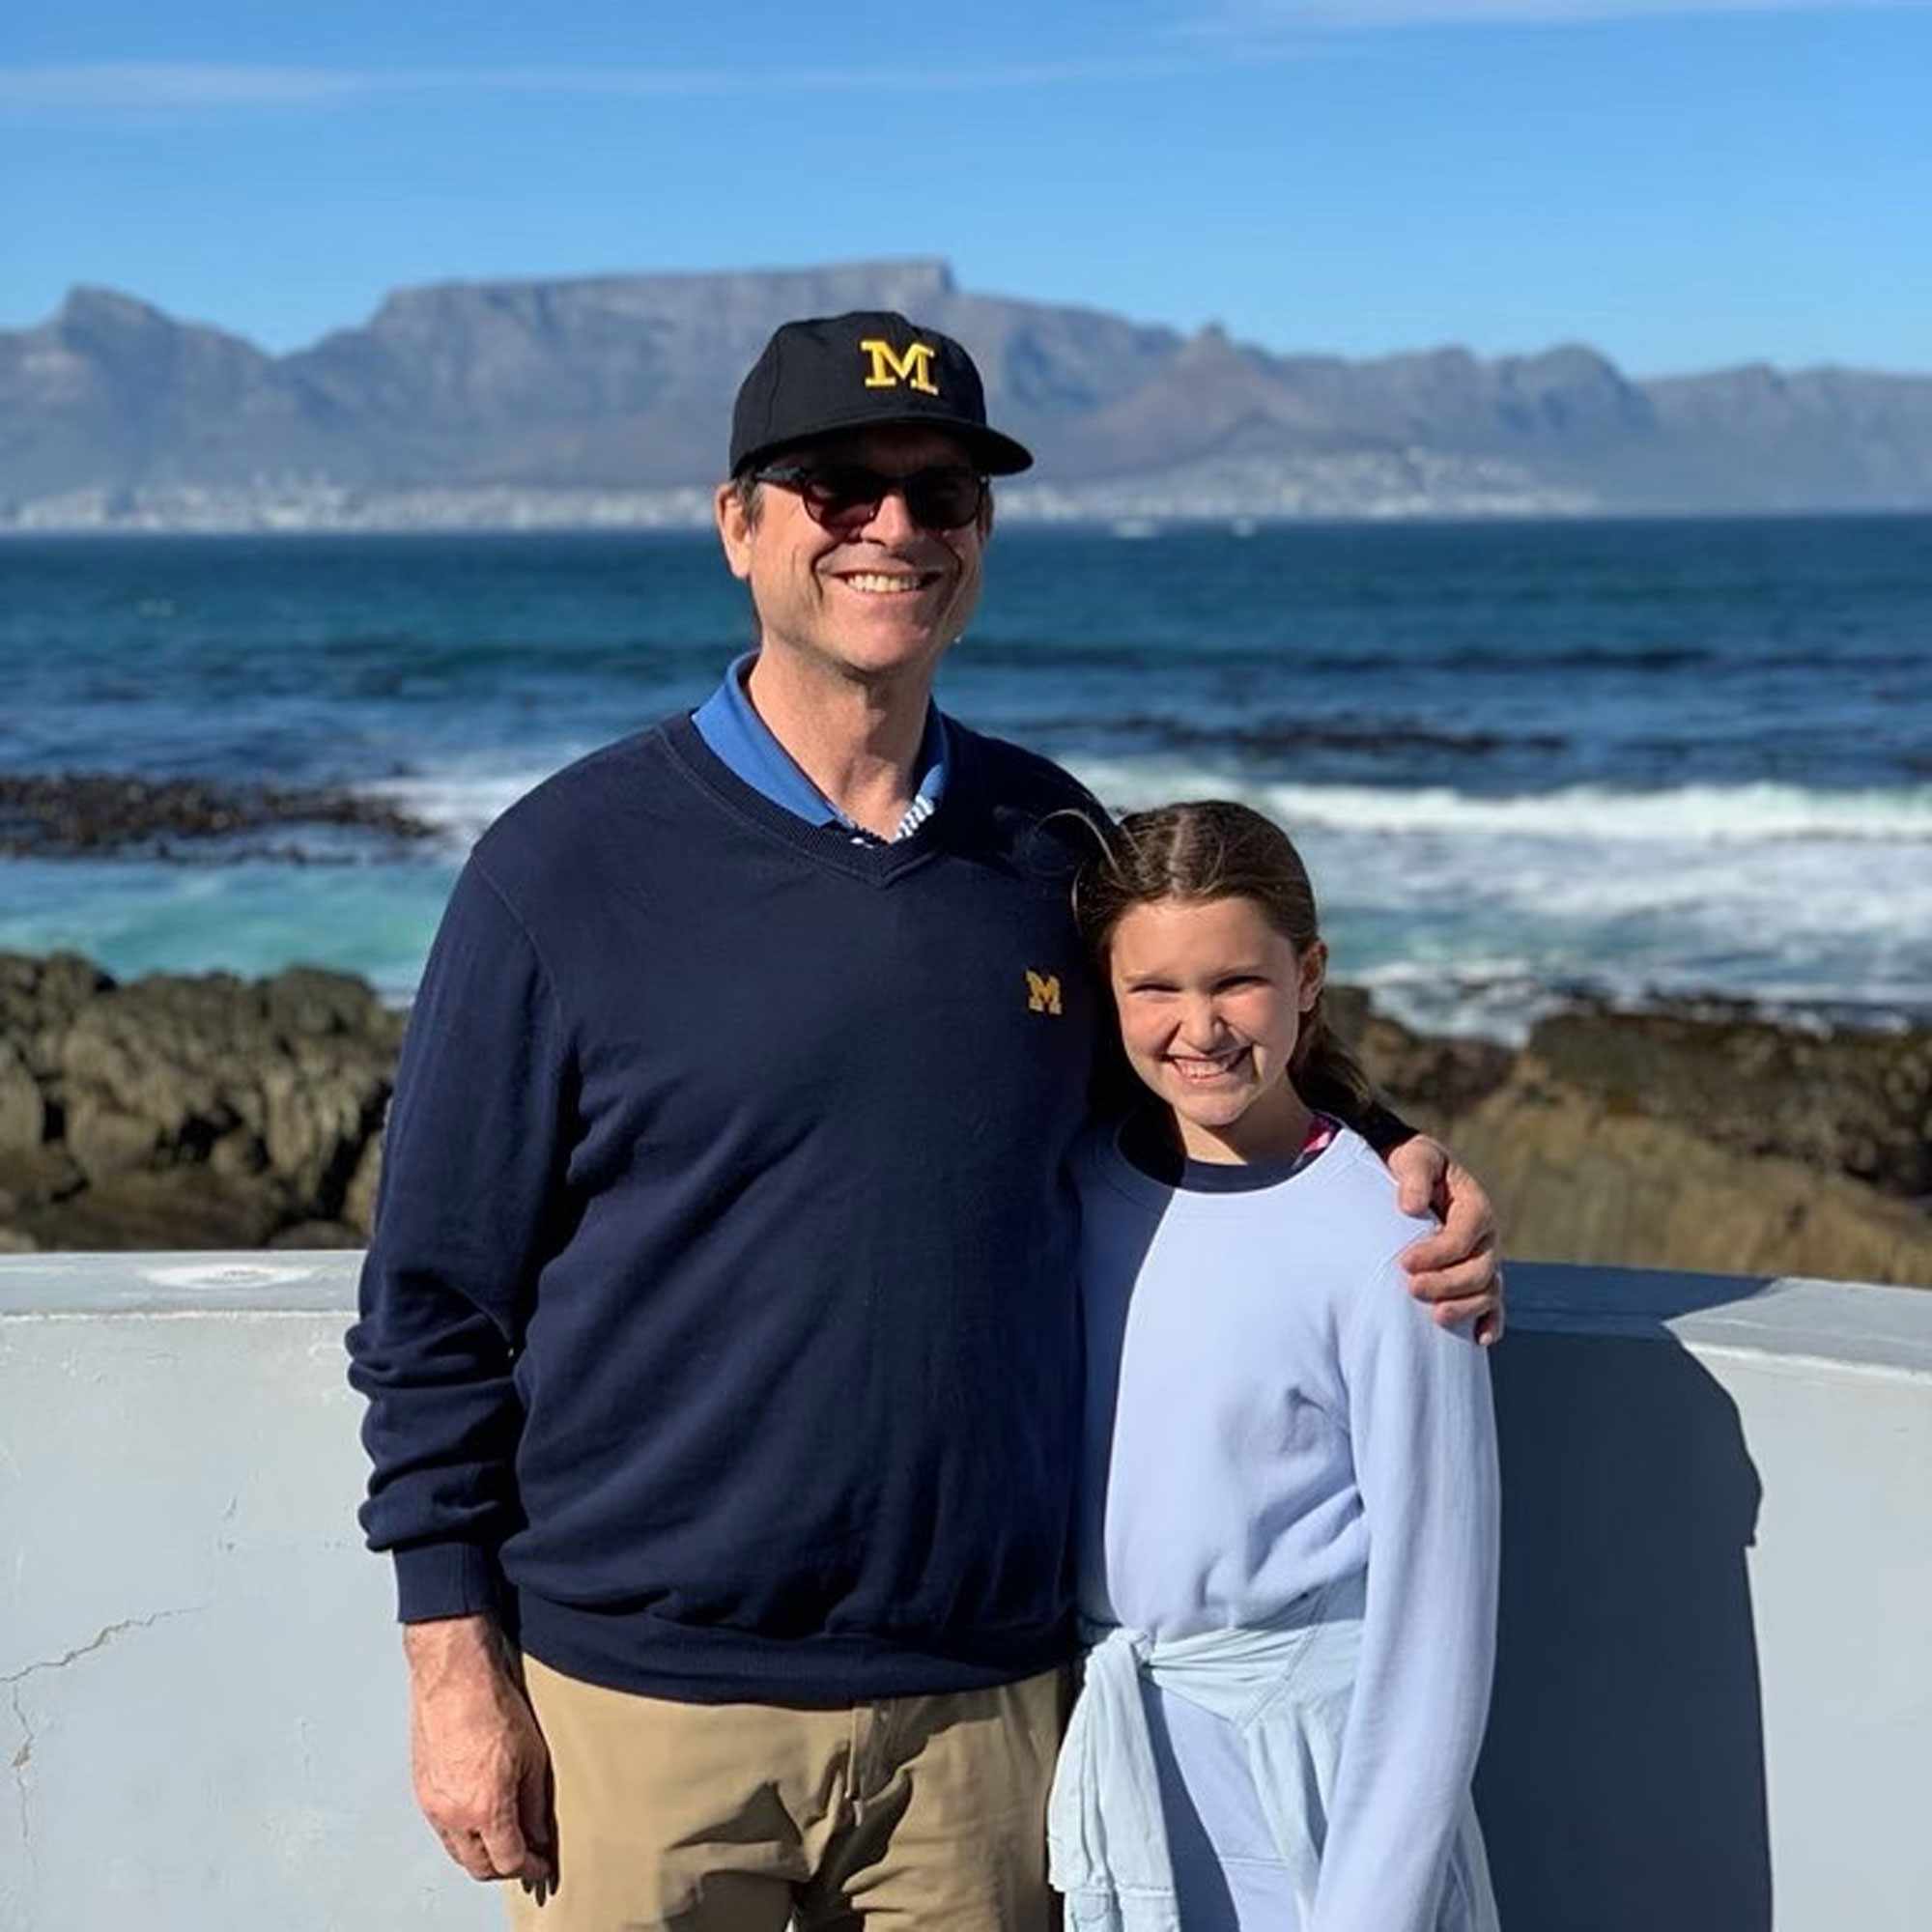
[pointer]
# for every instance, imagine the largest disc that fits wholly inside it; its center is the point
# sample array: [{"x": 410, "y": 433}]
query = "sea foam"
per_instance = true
[{"x": 1719, "y": 814}]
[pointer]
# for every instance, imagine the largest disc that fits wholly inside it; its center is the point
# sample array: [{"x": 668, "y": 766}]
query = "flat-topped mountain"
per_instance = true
[{"x": 617, "y": 389}]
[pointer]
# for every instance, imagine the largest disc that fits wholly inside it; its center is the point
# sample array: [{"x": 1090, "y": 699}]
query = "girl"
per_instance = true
[{"x": 1289, "y": 1525}]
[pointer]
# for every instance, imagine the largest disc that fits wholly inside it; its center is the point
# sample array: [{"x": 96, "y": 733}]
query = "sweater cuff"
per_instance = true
[{"x": 444, "y": 1579}]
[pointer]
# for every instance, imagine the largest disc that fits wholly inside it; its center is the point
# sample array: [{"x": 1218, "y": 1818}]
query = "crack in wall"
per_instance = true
[
  {"x": 100, "y": 1640},
  {"x": 14, "y": 1680},
  {"x": 22, "y": 1759}
]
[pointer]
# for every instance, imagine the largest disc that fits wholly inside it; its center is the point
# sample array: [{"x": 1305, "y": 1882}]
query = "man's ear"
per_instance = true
[
  {"x": 734, "y": 529},
  {"x": 986, "y": 515}
]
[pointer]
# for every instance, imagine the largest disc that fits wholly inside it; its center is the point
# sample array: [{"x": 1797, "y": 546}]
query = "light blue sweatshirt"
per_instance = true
[{"x": 1271, "y": 1416}]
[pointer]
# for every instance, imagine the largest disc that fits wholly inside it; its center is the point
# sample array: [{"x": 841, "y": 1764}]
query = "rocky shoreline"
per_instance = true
[
  {"x": 91, "y": 815},
  {"x": 1706, "y": 1139},
  {"x": 204, "y": 1112},
  {"x": 213, "y": 1112}
]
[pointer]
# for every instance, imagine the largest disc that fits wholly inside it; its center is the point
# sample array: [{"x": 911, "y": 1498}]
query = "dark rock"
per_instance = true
[
  {"x": 23, "y": 1113},
  {"x": 296, "y": 1067},
  {"x": 358, "y": 1204},
  {"x": 318, "y": 1234},
  {"x": 237, "y": 1155},
  {"x": 1846, "y": 1102},
  {"x": 182, "y": 1208},
  {"x": 1671, "y": 1139},
  {"x": 104, "y": 1139},
  {"x": 1346, "y": 1009},
  {"x": 34, "y": 1177},
  {"x": 1577, "y": 1177},
  {"x": 1447, "y": 1075},
  {"x": 187, "y": 1111},
  {"x": 38, "y": 999},
  {"x": 307, "y": 999},
  {"x": 94, "y": 813}
]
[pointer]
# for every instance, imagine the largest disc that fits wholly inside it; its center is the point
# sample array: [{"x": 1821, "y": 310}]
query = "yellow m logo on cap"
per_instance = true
[
  {"x": 1042, "y": 992},
  {"x": 889, "y": 368}
]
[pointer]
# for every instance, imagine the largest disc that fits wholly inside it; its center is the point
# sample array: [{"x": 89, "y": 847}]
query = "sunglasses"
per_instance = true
[{"x": 846, "y": 497}]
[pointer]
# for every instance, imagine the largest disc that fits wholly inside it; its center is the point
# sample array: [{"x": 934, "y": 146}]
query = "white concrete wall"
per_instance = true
[
  {"x": 1714, "y": 1708},
  {"x": 1714, "y": 1704},
  {"x": 207, "y": 1708}
]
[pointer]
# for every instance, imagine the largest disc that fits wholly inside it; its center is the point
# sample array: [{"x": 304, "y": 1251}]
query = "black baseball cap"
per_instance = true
[{"x": 859, "y": 371}]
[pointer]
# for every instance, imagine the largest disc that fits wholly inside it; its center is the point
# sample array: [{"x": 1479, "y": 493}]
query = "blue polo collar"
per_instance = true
[{"x": 729, "y": 724}]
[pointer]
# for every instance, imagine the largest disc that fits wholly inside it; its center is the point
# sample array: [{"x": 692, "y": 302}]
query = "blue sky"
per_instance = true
[{"x": 1683, "y": 185}]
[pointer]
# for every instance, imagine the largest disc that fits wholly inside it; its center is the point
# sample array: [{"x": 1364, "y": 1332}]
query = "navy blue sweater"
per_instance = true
[{"x": 719, "y": 1328}]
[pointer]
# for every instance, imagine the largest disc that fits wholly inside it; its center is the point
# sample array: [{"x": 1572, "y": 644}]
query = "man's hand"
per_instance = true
[
  {"x": 482, "y": 1770},
  {"x": 1458, "y": 1270}
]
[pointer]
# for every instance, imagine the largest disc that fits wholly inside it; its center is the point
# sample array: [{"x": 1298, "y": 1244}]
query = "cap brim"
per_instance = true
[
  {"x": 994, "y": 454},
  {"x": 999, "y": 455}
]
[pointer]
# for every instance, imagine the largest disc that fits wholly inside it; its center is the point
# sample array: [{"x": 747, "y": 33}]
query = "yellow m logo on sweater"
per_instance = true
[{"x": 1042, "y": 992}]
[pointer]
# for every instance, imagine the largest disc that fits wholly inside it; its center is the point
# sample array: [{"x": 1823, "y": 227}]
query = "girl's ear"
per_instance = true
[{"x": 1314, "y": 975}]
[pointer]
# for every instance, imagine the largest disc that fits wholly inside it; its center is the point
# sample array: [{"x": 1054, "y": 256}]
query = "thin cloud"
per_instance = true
[
  {"x": 1199, "y": 40},
  {"x": 151, "y": 84},
  {"x": 1236, "y": 18},
  {"x": 147, "y": 86}
]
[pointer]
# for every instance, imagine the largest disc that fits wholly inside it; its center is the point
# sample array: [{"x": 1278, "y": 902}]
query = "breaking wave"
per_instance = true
[{"x": 1705, "y": 815}]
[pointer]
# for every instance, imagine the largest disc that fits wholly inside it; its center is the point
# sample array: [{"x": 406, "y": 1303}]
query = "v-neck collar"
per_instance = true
[
  {"x": 834, "y": 846},
  {"x": 729, "y": 724}
]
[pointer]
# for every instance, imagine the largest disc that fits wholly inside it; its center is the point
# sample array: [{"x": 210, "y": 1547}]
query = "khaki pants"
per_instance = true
[{"x": 912, "y": 1812}]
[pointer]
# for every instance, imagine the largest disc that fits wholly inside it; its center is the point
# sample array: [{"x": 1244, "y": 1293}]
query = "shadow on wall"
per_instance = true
[{"x": 1623, "y": 1783}]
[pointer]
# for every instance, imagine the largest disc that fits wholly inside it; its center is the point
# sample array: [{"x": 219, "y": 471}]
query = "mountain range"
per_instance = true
[{"x": 607, "y": 399}]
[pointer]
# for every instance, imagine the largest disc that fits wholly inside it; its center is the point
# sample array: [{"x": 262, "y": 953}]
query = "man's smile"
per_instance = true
[{"x": 886, "y": 583}]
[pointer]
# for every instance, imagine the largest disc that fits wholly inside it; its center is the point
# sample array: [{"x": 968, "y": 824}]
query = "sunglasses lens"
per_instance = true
[
  {"x": 943, "y": 499},
  {"x": 846, "y": 496}
]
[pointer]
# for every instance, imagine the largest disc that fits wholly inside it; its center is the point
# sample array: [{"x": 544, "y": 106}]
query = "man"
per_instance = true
[{"x": 719, "y": 1327}]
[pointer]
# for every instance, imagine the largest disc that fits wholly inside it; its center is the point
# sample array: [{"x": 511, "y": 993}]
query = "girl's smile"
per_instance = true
[{"x": 1198, "y": 1069}]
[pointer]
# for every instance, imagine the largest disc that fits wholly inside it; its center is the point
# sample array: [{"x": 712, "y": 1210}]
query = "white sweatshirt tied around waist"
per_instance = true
[{"x": 1286, "y": 1688}]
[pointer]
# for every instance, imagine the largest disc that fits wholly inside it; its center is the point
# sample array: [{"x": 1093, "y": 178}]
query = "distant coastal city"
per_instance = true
[{"x": 1374, "y": 486}]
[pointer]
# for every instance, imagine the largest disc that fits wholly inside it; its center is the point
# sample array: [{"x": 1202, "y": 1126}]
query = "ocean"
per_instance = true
[{"x": 1525, "y": 761}]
